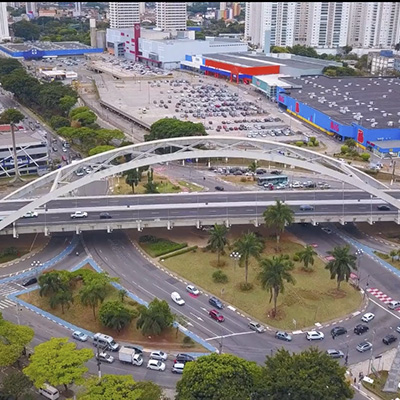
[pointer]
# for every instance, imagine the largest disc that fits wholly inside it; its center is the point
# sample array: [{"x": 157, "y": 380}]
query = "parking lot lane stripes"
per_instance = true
[{"x": 230, "y": 335}]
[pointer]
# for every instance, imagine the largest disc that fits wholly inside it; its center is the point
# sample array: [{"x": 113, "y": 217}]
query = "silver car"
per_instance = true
[
  {"x": 255, "y": 326},
  {"x": 283, "y": 336},
  {"x": 333, "y": 353},
  {"x": 364, "y": 346}
]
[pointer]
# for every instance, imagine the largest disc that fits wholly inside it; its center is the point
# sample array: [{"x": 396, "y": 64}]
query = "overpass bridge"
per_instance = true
[{"x": 63, "y": 183}]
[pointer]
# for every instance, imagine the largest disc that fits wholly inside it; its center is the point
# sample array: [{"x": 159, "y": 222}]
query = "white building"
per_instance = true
[
  {"x": 171, "y": 16},
  {"x": 142, "y": 7},
  {"x": 255, "y": 21},
  {"x": 4, "y": 32},
  {"x": 124, "y": 15}
]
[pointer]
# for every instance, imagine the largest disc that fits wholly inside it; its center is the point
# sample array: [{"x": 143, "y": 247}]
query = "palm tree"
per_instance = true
[
  {"x": 393, "y": 254},
  {"x": 63, "y": 298},
  {"x": 306, "y": 256},
  {"x": 218, "y": 240},
  {"x": 51, "y": 283},
  {"x": 274, "y": 271},
  {"x": 249, "y": 245},
  {"x": 253, "y": 168},
  {"x": 91, "y": 295},
  {"x": 122, "y": 294},
  {"x": 342, "y": 264},
  {"x": 278, "y": 216}
]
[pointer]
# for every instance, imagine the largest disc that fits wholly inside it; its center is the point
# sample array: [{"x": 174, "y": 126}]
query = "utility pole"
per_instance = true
[
  {"x": 98, "y": 361},
  {"x": 17, "y": 177}
]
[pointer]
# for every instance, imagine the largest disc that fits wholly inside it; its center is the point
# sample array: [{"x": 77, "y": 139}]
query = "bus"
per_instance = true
[{"x": 272, "y": 179}]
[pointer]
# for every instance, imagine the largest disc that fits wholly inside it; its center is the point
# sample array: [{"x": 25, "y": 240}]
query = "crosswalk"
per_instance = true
[{"x": 5, "y": 290}]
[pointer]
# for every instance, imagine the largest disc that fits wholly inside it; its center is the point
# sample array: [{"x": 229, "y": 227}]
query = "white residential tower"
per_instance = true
[
  {"x": 171, "y": 16},
  {"x": 124, "y": 15}
]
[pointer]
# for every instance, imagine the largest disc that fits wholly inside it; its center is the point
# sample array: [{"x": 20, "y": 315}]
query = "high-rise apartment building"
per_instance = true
[
  {"x": 171, "y": 16},
  {"x": 31, "y": 9},
  {"x": 124, "y": 15},
  {"x": 142, "y": 7},
  {"x": 4, "y": 32},
  {"x": 255, "y": 22}
]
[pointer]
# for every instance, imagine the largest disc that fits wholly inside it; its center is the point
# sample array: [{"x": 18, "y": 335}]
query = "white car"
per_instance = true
[
  {"x": 314, "y": 335},
  {"x": 158, "y": 355},
  {"x": 78, "y": 335},
  {"x": 31, "y": 214},
  {"x": 156, "y": 365},
  {"x": 368, "y": 317},
  {"x": 79, "y": 214},
  {"x": 175, "y": 296},
  {"x": 193, "y": 290}
]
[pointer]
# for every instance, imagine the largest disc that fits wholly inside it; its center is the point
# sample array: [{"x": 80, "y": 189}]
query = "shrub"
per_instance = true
[
  {"x": 219, "y": 276},
  {"x": 296, "y": 258},
  {"x": 182, "y": 251},
  {"x": 148, "y": 239},
  {"x": 245, "y": 287},
  {"x": 344, "y": 149},
  {"x": 176, "y": 187},
  {"x": 299, "y": 143},
  {"x": 188, "y": 342},
  {"x": 313, "y": 139},
  {"x": 243, "y": 179},
  {"x": 365, "y": 156}
]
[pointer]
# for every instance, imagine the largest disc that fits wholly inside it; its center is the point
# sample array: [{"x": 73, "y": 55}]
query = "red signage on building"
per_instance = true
[
  {"x": 334, "y": 126},
  {"x": 281, "y": 98},
  {"x": 297, "y": 107},
  {"x": 360, "y": 136}
]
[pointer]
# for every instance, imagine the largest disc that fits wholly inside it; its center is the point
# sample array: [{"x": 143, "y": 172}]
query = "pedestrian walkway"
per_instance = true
[{"x": 5, "y": 290}]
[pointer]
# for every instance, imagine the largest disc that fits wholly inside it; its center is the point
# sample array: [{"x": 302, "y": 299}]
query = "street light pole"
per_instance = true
[
  {"x": 359, "y": 253},
  {"x": 236, "y": 257}
]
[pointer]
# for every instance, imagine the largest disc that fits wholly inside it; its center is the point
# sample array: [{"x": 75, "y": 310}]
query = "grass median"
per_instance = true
[{"x": 312, "y": 299}]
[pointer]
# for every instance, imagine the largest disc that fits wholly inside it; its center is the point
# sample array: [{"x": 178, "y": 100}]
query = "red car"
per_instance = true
[{"x": 214, "y": 314}]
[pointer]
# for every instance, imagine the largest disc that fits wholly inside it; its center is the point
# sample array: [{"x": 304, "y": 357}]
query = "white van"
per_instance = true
[
  {"x": 49, "y": 392},
  {"x": 105, "y": 341}
]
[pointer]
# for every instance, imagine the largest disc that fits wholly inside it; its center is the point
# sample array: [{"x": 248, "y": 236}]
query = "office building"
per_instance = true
[
  {"x": 124, "y": 15},
  {"x": 171, "y": 16},
  {"x": 142, "y": 7},
  {"x": 4, "y": 32},
  {"x": 254, "y": 23}
]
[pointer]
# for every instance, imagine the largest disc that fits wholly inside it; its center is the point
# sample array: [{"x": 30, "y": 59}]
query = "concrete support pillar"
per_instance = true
[
  {"x": 169, "y": 225},
  {"x": 15, "y": 233}
]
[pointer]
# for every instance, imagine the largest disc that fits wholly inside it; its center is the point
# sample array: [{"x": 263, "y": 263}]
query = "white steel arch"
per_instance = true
[{"x": 175, "y": 149}]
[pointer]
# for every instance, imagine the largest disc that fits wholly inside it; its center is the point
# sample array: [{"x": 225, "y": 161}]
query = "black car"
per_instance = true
[
  {"x": 383, "y": 207},
  {"x": 220, "y": 188},
  {"x": 29, "y": 282},
  {"x": 183, "y": 358},
  {"x": 105, "y": 215},
  {"x": 389, "y": 339},
  {"x": 216, "y": 303},
  {"x": 338, "y": 330},
  {"x": 360, "y": 328}
]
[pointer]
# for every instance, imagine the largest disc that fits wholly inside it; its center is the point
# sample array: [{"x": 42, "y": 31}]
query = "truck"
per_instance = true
[{"x": 129, "y": 355}]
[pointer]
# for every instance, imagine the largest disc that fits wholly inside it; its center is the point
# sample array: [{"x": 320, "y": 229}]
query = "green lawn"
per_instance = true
[
  {"x": 313, "y": 299},
  {"x": 158, "y": 247},
  {"x": 388, "y": 259},
  {"x": 378, "y": 385},
  {"x": 191, "y": 186}
]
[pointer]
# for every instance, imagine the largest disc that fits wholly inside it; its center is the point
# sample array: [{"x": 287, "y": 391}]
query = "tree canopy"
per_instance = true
[
  {"x": 278, "y": 216},
  {"x": 342, "y": 263},
  {"x": 170, "y": 128},
  {"x": 58, "y": 362},
  {"x": 155, "y": 318},
  {"x": 15, "y": 384},
  {"x": 114, "y": 315},
  {"x": 26, "y": 30},
  {"x": 11, "y": 115},
  {"x": 100, "y": 149}
]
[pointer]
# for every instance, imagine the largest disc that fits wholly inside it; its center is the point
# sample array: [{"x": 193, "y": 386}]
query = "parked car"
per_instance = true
[
  {"x": 368, "y": 317},
  {"x": 105, "y": 215},
  {"x": 192, "y": 290},
  {"x": 215, "y": 302},
  {"x": 78, "y": 335},
  {"x": 338, "y": 330},
  {"x": 178, "y": 368},
  {"x": 183, "y": 358},
  {"x": 158, "y": 355},
  {"x": 364, "y": 346},
  {"x": 314, "y": 335},
  {"x": 360, "y": 328},
  {"x": 176, "y": 297},
  {"x": 214, "y": 314},
  {"x": 31, "y": 214},
  {"x": 389, "y": 339},
  {"x": 283, "y": 336},
  {"x": 394, "y": 304},
  {"x": 333, "y": 353},
  {"x": 156, "y": 365},
  {"x": 398, "y": 329},
  {"x": 79, "y": 214},
  {"x": 105, "y": 357},
  {"x": 29, "y": 282},
  {"x": 255, "y": 326}
]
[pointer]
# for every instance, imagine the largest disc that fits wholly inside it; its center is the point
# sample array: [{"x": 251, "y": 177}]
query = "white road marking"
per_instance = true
[
  {"x": 231, "y": 334},
  {"x": 196, "y": 316},
  {"x": 383, "y": 308}
]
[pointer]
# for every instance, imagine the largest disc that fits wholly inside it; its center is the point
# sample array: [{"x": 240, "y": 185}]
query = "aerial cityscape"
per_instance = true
[{"x": 199, "y": 200}]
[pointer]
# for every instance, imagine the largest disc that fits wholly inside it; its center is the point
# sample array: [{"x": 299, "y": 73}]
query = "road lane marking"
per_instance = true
[
  {"x": 200, "y": 319},
  {"x": 383, "y": 308},
  {"x": 230, "y": 335}
]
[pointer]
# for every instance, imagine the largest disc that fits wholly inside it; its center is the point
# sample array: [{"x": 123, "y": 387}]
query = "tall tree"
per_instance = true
[
  {"x": 13, "y": 340},
  {"x": 62, "y": 298},
  {"x": 132, "y": 178},
  {"x": 274, "y": 272},
  {"x": 306, "y": 256},
  {"x": 342, "y": 263},
  {"x": 310, "y": 375},
  {"x": 278, "y": 216},
  {"x": 249, "y": 245},
  {"x": 58, "y": 362},
  {"x": 155, "y": 318},
  {"x": 114, "y": 315},
  {"x": 15, "y": 384},
  {"x": 166, "y": 128},
  {"x": 91, "y": 295},
  {"x": 218, "y": 240},
  {"x": 253, "y": 168},
  {"x": 219, "y": 377},
  {"x": 52, "y": 282},
  {"x": 13, "y": 117}
]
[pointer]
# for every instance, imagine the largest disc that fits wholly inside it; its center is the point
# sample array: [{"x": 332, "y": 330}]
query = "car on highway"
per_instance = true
[
  {"x": 192, "y": 290},
  {"x": 105, "y": 357},
  {"x": 368, "y": 317},
  {"x": 79, "y": 214},
  {"x": 338, "y": 330},
  {"x": 360, "y": 328},
  {"x": 176, "y": 297},
  {"x": 389, "y": 339},
  {"x": 178, "y": 368},
  {"x": 283, "y": 336},
  {"x": 31, "y": 214},
  {"x": 393, "y": 304},
  {"x": 105, "y": 215},
  {"x": 214, "y": 314},
  {"x": 326, "y": 230},
  {"x": 158, "y": 355},
  {"x": 156, "y": 365},
  {"x": 219, "y": 188},
  {"x": 333, "y": 353},
  {"x": 29, "y": 281},
  {"x": 364, "y": 346},
  {"x": 183, "y": 358},
  {"x": 314, "y": 335},
  {"x": 398, "y": 329},
  {"x": 255, "y": 326},
  {"x": 78, "y": 335},
  {"x": 383, "y": 207},
  {"x": 215, "y": 302},
  {"x": 306, "y": 207}
]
